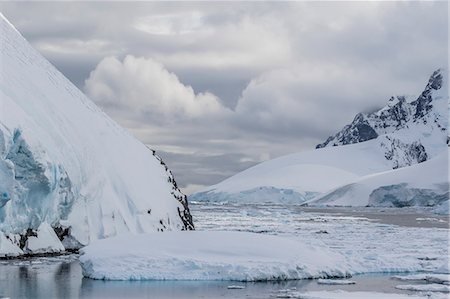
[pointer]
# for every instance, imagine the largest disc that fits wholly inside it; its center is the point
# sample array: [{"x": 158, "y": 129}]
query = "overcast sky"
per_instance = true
[{"x": 217, "y": 87}]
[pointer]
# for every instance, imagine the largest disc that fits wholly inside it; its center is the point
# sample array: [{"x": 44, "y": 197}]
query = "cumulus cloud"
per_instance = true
[{"x": 144, "y": 87}]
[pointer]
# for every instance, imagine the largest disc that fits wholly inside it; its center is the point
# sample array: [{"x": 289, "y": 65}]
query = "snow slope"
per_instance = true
[
  {"x": 304, "y": 175},
  {"x": 208, "y": 255},
  {"x": 423, "y": 184},
  {"x": 404, "y": 134},
  {"x": 66, "y": 164}
]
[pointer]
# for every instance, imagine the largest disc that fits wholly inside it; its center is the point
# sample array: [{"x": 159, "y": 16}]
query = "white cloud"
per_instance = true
[
  {"x": 313, "y": 99},
  {"x": 75, "y": 46},
  {"x": 144, "y": 87},
  {"x": 179, "y": 23}
]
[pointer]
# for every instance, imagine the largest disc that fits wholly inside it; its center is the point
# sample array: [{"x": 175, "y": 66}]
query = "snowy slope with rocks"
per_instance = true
[
  {"x": 425, "y": 115},
  {"x": 399, "y": 135},
  {"x": 68, "y": 173}
]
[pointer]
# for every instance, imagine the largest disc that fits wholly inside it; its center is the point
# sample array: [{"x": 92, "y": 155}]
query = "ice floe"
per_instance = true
[
  {"x": 432, "y": 287},
  {"x": 336, "y": 281},
  {"x": 203, "y": 255},
  {"x": 432, "y": 278}
]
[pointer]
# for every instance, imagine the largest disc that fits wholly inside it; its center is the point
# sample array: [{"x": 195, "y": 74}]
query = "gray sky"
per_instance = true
[{"x": 216, "y": 87}]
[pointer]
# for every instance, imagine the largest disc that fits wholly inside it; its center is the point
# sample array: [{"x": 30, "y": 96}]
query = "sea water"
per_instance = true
[{"x": 361, "y": 232}]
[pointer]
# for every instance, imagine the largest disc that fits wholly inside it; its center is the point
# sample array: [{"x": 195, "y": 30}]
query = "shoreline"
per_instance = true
[{"x": 40, "y": 254}]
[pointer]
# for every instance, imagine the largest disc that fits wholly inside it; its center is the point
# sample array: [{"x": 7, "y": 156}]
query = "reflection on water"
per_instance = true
[
  {"x": 62, "y": 278},
  {"x": 58, "y": 277}
]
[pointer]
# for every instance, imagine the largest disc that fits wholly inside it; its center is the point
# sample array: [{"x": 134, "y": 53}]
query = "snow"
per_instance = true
[
  {"x": 310, "y": 172},
  {"x": 434, "y": 287},
  {"x": 366, "y": 179},
  {"x": 335, "y": 281},
  {"x": 45, "y": 241},
  {"x": 66, "y": 163},
  {"x": 195, "y": 255},
  {"x": 423, "y": 184},
  {"x": 444, "y": 268},
  {"x": 339, "y": 294},
  {"x": 362, "y": 245},
  {"x": 443, "y": 208},
  {"x": 433, "y": 278},
  {"x": 7, "y": 248}
]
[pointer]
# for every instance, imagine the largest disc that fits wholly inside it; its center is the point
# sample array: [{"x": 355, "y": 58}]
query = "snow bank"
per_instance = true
[
  {"x": 207, "y": 255},
  {"x": 65, "y": 162},
  {"x": 45, "y": 241}
]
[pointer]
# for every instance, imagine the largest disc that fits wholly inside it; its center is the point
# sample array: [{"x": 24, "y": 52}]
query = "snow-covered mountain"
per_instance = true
[
  {"x": 396, "y": 116},
  {"x": 68, "y": 173},
  {"x": 399, "y": 135}
]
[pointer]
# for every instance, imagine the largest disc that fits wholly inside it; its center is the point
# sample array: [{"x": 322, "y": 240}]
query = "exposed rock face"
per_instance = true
[
  {"x": 403, "y": 154},
  {"x": 424, "y": 104}
]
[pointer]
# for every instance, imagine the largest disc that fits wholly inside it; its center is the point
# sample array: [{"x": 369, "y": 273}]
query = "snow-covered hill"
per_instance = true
[
  {"x": 299, "y": 177},
  {"x": 68, "y": 173},
  {"x": 423, "y": 184},
  {"x": 399, "y": 135}
]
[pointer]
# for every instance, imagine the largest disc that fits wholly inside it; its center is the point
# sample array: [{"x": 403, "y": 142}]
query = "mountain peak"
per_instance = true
[
  {"x": 435, "y": 81},
  {"x": 398, "y": 114}
]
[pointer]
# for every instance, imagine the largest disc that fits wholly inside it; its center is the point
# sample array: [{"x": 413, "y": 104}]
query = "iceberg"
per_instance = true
[{"x": 67, "y": 170}]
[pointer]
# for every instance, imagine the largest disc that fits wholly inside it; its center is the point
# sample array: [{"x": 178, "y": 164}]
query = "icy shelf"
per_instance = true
[{"x": 202, "y": 255}]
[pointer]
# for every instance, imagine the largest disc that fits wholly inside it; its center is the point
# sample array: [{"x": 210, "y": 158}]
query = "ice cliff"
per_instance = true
[{"x": 68, "y": 173}]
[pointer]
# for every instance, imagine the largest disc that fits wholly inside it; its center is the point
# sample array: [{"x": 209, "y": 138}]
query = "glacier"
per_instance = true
[
  {"x": 409, "y": 134},
  {"x": 67, "y": 170}
]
